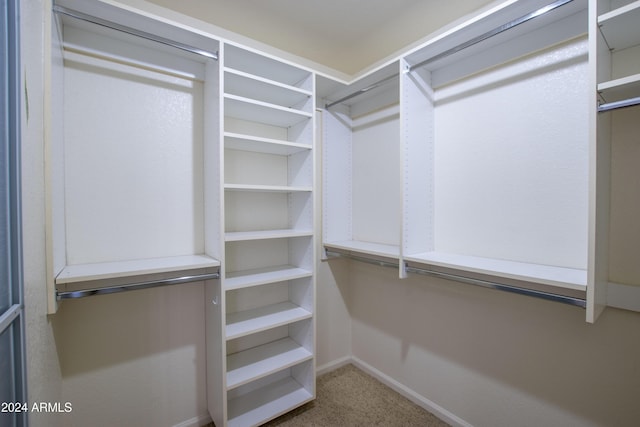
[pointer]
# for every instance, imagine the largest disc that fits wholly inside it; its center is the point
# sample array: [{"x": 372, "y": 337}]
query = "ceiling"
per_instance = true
[{"x": 345, "y": 35}]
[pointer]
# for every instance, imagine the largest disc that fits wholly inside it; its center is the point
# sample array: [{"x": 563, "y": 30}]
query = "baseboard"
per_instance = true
[
  {"x": 199, "y": 421},
  {"x": 332, "y": 366},
  {"x": 419, "y": 400},
  {"x": 623, "y": 296}
]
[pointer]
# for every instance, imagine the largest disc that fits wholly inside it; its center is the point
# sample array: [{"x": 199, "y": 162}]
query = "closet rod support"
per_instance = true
[
  {"x": 509, "y": 25},
  {"x": 136, "y": 286},
  {"x": 579, "y": 302},
  {"x": 618, "y": 104},
  {"x": 132, "y": 31},
  {"x": 374, "y": 261}
]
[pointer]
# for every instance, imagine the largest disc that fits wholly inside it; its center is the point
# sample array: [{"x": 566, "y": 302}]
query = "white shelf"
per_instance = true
[
  {"x": 250, "y": 86},
  {"x": 266, "y": 188},
  {"x": 258, "y": 362},
  {"x": 264, "y": 276},
  {"x": 260, "y": 319},
  {"x": 239, "y": 236},
  {"x": 111, "y": 270},
  {"x": 377, "y": 249},
  {"x": 256, "y": 144},
  {"x": 568, "y": 278},
  {"x": 266, "y": 403},
  {"x": 262, "y": 112},
  {"x": 621, "y": 27},
  {"x": 619, "y": 89}
]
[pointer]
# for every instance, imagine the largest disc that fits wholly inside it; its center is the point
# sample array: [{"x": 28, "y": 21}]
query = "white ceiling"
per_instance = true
[{"x": 346, "y": 35}]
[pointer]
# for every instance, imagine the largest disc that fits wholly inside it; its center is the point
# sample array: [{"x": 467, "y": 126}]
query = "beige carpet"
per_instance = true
[{"x": 349, "y": 397}]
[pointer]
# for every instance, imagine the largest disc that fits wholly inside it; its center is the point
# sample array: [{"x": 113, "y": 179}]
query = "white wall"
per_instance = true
[{"x": 43, "y": 371}]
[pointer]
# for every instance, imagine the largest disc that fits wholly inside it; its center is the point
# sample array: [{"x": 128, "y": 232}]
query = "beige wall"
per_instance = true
[{"x": 496, "y": 359}]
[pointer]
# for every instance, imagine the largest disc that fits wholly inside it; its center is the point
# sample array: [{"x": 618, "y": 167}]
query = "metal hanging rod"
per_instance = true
[
  {"x": 132, "y": 31},
  {"x": 136, "y": 286},
  {"x": 618, "y": 104},
  {"x": 579, "y": 302},
  {"x": 494, "y": 32},
  {"x": 380, "y": 263},
  {"x": 460, "y": 47},
  {"x": 361, "y": 91}
]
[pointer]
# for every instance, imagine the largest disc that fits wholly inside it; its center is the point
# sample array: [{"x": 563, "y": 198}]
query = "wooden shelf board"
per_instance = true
[
  {"x": 111, "y": 270},
  {"x": 258, "y": 362},
  {"x": 619, "y": 89},
  {"x": 263, "y": 276},
  {"x": 238, "y": 236},
  {"x": 567, "y": 278},
  {"x": 255, "y": 87},
  {"x": 263, "y": 112},
  {"x": 266, "y": 188},
  {"x": 369, "y": 248},
  {"x": 256, "y": 144},
  {"x": 620, "y": 26},
  {"x": 266, "y": 403},
  {"x": 251, "y": 321}
]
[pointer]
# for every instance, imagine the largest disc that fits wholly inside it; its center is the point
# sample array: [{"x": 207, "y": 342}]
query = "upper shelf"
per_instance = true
[
  {"x": 619, "y": 89},
  {"x": 367, "y": 248},
  {"x": 255, "y": 87},
  {"x": 262, "y": 112},
  {"x": 621, "y": 27}
]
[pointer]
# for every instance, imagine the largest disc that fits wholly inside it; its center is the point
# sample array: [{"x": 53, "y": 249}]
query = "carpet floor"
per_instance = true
[{"x": 348, "y": 397}]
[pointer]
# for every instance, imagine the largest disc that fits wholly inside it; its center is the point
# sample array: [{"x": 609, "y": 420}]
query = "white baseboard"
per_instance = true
[
  {"x": 198, "y": 421},
  {"x": 623, "y": 296},
  {"x": 419, "y": 400},
  {"x": 333, "y": 365}
]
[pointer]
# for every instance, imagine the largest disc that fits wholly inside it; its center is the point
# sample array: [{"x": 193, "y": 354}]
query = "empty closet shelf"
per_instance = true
[
  {"x": 112, "y": 270},
  {"x": 257, "y": 144},
  {"x": 258, "y": 362},
  {"x": 568, "y": 278},
  {"x": 263, "y": 276},
  {"x": 619, "y": 27},
  {"x": 257, "y": 111},
  {"x": 261, "y": 319},
  {"x": 240, "y": 236},
  {"x": 267, "y": 188},
  {"x": 267, "y": 402},
  {"x": 368, "y": 248}
]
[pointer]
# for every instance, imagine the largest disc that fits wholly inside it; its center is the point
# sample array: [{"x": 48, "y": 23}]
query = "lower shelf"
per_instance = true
[
  {"x": 266, "y": 403},
  {"x": 258, "y": 362}
]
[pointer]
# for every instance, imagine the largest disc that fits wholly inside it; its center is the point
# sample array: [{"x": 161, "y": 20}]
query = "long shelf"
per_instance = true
[
  {"x": 260, "y": 319},
  {"x": 266, "y": 403},
  {"x": 263, "y": 112},
  {"x": 264, "y": 276},
  {"x": 369, "y": 248},
  {"x": 256, "y": 144},
  {"x": 267, "y": 188},
  {"x": 110, "y": 270},
  {"x": 258, "y": 362},
  {"x": 567, "y": 278},
  {"x": 240, "y": 236},
  {"x": 250, "y": 86},
  {"x": 620, "y": 26}
]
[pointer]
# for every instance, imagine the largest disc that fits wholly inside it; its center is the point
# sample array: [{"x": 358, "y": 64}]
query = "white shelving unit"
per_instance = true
[
  {"x": 268, "y": 274},
  {"x": 361, "y": 169},
  {"x": 129, "y": 200},
  {"x": 614, "y": 37}
]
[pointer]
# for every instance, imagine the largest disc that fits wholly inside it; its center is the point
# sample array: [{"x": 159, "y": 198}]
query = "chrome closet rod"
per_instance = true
[
  {"x": 494, "y": 32},
  {"x": 136, "y": 286},
  {"x": 380, "y": 263},
  {"x": 501, "y": 287},
  {"x": 509, "y": 25},
  {"x": 132, "y": 31},
  {"x": 618, "y": 104}
]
